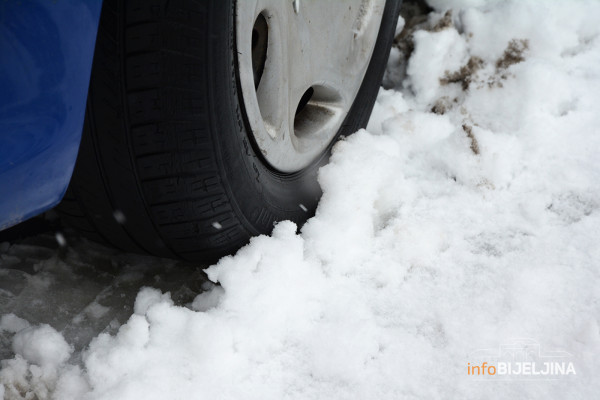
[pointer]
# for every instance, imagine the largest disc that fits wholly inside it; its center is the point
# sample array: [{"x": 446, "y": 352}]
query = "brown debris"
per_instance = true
[
  {"x": 464, "y": 76},
  {"x": 513, "y": 54},
  {"x": 474, "y": 144},
  {"x": 444, "y": 23},
  {"x": 443, "y": 104}
]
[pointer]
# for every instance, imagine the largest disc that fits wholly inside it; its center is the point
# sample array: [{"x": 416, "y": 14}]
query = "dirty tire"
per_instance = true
[{"x": 166, "y": 165}]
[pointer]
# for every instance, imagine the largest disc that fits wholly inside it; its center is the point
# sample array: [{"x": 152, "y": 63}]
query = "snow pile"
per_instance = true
[
  {"x": 466, "y": 215},
  {"x": 40, "y": 353}
]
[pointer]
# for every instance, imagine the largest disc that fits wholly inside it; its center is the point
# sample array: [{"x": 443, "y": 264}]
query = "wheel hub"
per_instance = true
[{"x": 301, "y": 65}]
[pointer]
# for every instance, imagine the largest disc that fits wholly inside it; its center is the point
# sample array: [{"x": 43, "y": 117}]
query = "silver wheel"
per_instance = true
[{"x": 301, "y": 64}]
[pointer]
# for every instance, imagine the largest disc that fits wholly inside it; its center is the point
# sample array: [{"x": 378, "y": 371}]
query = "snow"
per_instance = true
[
  {"x": 13, "y": 324},
  {"x": 119, "y": 217},
  {"x": 41, "y": 345},
  {"x": 60, "y": 239},
  {"x": 464, "y": 216},
  {"x": 40, "y": 352}
]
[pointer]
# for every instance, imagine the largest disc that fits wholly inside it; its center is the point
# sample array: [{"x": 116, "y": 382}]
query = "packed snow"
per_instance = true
[{"x": 465, "y": 216}]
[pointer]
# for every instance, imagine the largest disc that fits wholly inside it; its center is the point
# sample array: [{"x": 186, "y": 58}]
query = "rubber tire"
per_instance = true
[{"x": 165, "y": 142}]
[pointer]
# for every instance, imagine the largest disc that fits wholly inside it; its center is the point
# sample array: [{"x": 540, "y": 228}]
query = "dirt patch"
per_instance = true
[
  {"x": 443, "y": 104},
  {"x": 474, "y": 144},
  {"x": 514, "y": 53},
  {"x": 465, "y": 74},
  {"x": 444, "y": 23}
]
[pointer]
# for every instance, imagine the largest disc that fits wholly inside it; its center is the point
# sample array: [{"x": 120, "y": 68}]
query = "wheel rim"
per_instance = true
[{"x": 301, "y": 64}]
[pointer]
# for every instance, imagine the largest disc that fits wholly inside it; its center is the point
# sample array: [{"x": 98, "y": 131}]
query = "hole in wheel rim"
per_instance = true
[
  {"x": 260, "y": 41},
  {"x": 317, "y": 107},
  {"x": 304, "y": 100}
]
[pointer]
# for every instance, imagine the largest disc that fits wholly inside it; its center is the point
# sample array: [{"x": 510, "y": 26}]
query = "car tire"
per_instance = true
[{"x": 168, "y": 164}]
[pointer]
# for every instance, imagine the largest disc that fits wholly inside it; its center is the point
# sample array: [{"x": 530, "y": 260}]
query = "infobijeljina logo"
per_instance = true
[{"x": 520, "y": 359}]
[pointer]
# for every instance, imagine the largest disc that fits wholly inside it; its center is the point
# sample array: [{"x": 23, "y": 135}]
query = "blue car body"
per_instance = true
[{"x": 46, "y": 51}]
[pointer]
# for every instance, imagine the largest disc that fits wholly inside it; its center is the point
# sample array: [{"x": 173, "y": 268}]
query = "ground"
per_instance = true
[{"x": 461, "y": 227}]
